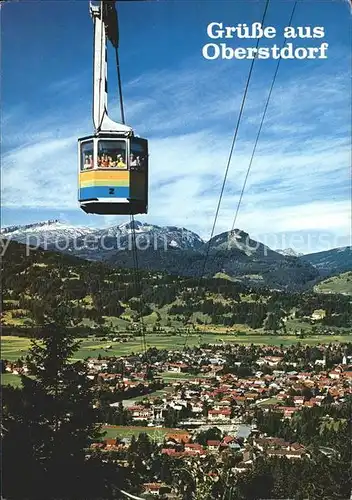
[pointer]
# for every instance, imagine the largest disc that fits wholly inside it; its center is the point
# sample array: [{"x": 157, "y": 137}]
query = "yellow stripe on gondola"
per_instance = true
[{"x": 104, "y": 174}]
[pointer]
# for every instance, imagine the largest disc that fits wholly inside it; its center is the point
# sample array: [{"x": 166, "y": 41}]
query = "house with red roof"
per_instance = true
[
  {"x": 224, "y": 415},
  {"x": 196, "y": 447},
  {"x": 213, "y": 445},
  {"x": 156, "y": 489}
]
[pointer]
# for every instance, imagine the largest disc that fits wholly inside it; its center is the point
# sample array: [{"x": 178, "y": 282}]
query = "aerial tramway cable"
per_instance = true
[
  {"x": 138, "y": 283},
  {"x": 259, "y": 131},
  {"x": 100, "y": 77},
  {"x": 119, "y": 84},
  {"x": 229, "y": 161},
  {"x": 113, "y": 34},
  {"x": 260, "y": 127}
]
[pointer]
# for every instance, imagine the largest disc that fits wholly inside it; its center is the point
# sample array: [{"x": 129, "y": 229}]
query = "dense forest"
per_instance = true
[{"x": 97, "y": 292}]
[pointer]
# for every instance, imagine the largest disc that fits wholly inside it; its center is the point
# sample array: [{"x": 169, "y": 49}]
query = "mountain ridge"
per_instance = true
[
  {"x": 333, "y": 261},
  {"x": 179, "y": 251},
  {"x": 50, "y": 231}
]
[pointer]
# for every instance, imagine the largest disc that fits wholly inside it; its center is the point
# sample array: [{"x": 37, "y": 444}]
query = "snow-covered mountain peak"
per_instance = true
[
  {"x": 32, "y": 227},
  {"x": 157, "y": 236},
  {"x": 45, "y": 231},
  {"x": 289, "y": 252},
  {"x": 129, "y": 226},
  {"x": 148, "y": 235}
]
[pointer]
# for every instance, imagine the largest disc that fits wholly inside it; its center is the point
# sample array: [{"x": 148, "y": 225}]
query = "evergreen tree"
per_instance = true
[{"x": 50, "y": 422}]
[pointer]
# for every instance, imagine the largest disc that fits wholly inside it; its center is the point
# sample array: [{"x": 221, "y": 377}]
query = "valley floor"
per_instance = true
[{"x": 13, "y": 348}]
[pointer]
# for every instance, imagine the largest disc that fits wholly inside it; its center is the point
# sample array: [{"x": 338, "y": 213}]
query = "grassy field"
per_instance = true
[
  {"x": 11, "y": 379},
  {"x": 155, "y": 433},
  {"x": 336, "y": 284},
  {"x": 15, "y": 347},
  {"x": 155, "y": 394},
  {"x": 270, "y": 401},
  {"x": 171, "y": 377}
]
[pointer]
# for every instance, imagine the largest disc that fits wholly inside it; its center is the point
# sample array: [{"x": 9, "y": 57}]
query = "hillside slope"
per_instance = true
[
  {"x": 342, "y": 283},
  {"x": 282, "y": 273},
  {"x": 101, "y": 296},
  {"x": 330, "y": 262}
]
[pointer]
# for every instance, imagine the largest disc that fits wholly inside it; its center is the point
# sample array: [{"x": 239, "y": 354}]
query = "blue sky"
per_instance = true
[{"x": 298, "y": 193}]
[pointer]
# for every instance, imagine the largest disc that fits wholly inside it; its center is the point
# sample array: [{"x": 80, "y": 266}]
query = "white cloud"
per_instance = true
[{"x": 299, "y": 178}]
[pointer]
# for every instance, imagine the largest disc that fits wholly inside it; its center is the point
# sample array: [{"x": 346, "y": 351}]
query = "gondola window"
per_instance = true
[
  {"x": 87, "y": 156},
  {"x": 112, "y": 154}
]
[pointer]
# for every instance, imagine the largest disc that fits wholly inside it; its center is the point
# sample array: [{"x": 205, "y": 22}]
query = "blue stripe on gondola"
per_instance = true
[{"x": 104, "y": 192}]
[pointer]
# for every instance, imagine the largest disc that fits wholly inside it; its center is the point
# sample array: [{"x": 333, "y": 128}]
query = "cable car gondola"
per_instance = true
[{"x": 113, "y": 163}]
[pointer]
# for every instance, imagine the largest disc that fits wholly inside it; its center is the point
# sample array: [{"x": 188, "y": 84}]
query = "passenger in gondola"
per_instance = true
[
  {"x": 133, "y": 161},
  {"x": 86, "y": 165},
  {"x": 104, "y": 161},
  {"x": 140, "y": 162},
  {"x": 120, "y": 162},
  {"x": 110, "y": 161}
]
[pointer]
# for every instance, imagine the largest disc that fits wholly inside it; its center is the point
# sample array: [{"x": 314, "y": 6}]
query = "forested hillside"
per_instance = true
[
  {"x": 101, "y": 296},
  {"x": 330, "y": 262}
]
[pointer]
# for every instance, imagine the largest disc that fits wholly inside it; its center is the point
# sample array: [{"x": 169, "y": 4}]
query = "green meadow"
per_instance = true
[
  {"x": 155, "y": 433},
  {"x": 13, "y": 348}
]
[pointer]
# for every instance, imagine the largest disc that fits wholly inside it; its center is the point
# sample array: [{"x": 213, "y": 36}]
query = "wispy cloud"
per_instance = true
[
  {"x": 68, "y": 85},
  {"x": 299, "y": 178}
]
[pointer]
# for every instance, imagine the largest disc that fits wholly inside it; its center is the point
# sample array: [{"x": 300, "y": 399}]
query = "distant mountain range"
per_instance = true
[
  {"x": 52, "y": 232},
  {"x": 178, "y": 250},
  {"x": 331, "y": 262}
]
